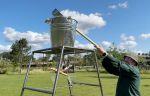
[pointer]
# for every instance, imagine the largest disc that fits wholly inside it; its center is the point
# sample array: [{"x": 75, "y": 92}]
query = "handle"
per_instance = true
[
  {"x": 87, "y": 38},
  {"x": 61, "y": 72}
]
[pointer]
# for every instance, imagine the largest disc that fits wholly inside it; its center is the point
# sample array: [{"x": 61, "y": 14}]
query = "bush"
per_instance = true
[
  {"x": 3, "y": 70},
  {"x": 3, "y": 67}
]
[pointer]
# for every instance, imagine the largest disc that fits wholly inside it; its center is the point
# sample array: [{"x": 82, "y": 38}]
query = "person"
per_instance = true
[
  {"x": 68, "y": 68},
  {"x": 129, "y": 76}
]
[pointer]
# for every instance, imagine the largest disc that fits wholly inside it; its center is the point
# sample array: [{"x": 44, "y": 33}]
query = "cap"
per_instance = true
[{"x": 133, "y": 56}]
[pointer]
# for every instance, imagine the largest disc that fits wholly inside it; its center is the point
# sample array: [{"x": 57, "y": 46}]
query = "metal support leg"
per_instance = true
[
  {"x": 98, "y": 73},
  {"x": 58, "y": 71},
  {"x": 70, "y": 85},
  {"x": 26, "y": 76}
]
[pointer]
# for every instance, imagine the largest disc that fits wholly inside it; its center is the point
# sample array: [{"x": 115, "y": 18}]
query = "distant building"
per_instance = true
[{"x": 146, "y": 56}]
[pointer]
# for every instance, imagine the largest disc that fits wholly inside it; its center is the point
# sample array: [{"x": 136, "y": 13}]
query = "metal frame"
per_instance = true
[{"x": 62, "y": 50}]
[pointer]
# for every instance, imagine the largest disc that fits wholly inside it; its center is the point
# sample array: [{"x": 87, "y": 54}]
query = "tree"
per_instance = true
[
  {"x": 6, "y": 55},
  {"x": 116, "y": 52},
  {"x": 89, "y": 59},
  {"x": 20, "y": 52}
]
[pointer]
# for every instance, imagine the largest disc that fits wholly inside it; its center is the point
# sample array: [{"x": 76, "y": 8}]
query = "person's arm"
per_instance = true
[
  {"x": 101, "y": 50},
  {"x": 110, "y": 63},
  {"x": 115, "y": 66}
]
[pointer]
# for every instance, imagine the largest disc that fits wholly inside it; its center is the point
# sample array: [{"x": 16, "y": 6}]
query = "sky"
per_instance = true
[{"x": 125, "y": 23}]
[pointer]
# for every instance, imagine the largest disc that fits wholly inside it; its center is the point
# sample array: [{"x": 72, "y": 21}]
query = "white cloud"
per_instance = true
[
  {"x": 145, "y": 36},
  {"x": 112, "y": 6},
  {"x": 123, "y": 5},
  {"x": 119, "y": 5},
  {"x": 125, "y": 38},
  {"x": 36, "y": 46},
  {"x": 107, "y": 44},
  {"x": 4, "y": 48},
  {"x": 35, "y": 39},
  {"x": 127, "y": 42},
  {"x": 80, "y": 45},
  {"x": 86, "y": 22}
]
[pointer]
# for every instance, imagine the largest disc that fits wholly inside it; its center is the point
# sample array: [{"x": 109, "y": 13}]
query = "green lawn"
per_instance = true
[{"x": 11, "y": 84}]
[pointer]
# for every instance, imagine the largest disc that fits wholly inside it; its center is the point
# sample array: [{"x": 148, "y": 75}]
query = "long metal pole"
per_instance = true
[
  {"x": 70, "y": 85},
  {"x": 27, "y": 74},
  {"x": 86, "y": 37},
  {"x": 58, "y": 71},
  {"x": 98, "y": 74}
]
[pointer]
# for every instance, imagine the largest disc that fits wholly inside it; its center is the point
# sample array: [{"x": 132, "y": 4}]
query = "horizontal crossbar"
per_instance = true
[
  {"x": 81, "y": 83},
  {"x": 38, "y": 90}
]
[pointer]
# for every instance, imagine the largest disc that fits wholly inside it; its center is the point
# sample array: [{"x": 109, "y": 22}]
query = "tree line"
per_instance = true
[{"x": 20, "y": 55}]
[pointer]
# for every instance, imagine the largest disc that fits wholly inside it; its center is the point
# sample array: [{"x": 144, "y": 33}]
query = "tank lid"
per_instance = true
[{"x": 56, "y": 13}]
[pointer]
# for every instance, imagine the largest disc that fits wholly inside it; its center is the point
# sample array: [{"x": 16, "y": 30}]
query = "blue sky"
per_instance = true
[{"x": 124, "y": 22}]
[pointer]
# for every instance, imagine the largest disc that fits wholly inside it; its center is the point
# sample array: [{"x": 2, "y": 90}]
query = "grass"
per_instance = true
[{"x": 11, "y": 84}]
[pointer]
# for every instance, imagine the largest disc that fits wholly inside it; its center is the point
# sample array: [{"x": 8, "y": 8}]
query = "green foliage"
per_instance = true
[
  {"x": 89, "y": 59},
  {"x": 116, "y": 52},
  {"x": 53, "y": 63},
  {"x": 20, "y": 49},
  {"x": 20, "y": 52},
  {"x": 6, "y": 55},
  {"x": 3, "y": 67},
  {"x": 141, "y": 60},
  {"x": 43, "y": 59}
]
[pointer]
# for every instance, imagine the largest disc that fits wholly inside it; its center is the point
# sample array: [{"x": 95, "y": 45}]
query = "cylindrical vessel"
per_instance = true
[{"x": 63, "y": 31}]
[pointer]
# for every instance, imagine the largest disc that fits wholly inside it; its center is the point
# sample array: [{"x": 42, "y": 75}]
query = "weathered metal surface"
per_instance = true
[{"x": 63, "y": 30}]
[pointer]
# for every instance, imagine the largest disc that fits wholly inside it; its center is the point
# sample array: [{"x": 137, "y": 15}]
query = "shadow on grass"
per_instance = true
[
  {"x": 146, "y": 85},
  {"x": 113, "y": 77},
  {"x": 108, "y": 77},
  {"x": 145, "y": 78}
]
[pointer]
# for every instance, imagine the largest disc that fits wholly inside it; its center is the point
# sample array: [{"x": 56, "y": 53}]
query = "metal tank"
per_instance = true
[{"x": 62, "y": 30}]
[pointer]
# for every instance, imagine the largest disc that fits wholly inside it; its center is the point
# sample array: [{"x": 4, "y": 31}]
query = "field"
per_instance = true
[{"x": 11, "y": 84}]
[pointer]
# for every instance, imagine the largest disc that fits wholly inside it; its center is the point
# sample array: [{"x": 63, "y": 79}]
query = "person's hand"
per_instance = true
[{"x": 100, "y": 49}]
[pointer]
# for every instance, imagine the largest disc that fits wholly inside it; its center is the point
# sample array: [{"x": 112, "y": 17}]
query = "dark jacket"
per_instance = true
[{"x": 129, "y": 76}]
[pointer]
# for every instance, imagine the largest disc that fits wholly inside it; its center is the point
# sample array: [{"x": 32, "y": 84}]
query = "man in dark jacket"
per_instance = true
[{"x": 127, "y": 70}]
